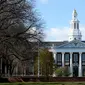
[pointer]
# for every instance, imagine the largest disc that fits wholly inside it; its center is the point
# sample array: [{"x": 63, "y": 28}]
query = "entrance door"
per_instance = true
[
  {"x": 75, "y": 64},
  {"x": 75, "y": 71}
]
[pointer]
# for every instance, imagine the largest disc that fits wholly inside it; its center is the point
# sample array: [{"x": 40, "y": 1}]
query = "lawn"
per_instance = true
[{"x": 45, "y": 83}]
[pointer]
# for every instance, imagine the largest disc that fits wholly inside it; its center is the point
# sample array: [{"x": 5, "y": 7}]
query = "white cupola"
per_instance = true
[{"x": 75, "y": 33}]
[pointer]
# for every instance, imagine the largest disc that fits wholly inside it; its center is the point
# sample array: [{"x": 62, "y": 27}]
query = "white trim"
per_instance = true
[
  {"x": 80, "y": 65},
  {"x": 61, "y": 46},
  {"x": 63, "y": 59},
  {"x": 71, "y": 65}
]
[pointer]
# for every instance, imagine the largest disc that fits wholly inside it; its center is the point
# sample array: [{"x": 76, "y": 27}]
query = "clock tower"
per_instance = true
[{"x": 75, "y": 33}]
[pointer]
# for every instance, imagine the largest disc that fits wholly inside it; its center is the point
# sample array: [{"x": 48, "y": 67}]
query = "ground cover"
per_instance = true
[{"x": 45, "y": 83}]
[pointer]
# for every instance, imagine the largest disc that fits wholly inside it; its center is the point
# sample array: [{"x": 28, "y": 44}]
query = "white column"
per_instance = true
[
  {"x": 62, "y": 59},
  {"x": 71, "y": 65},
  {"x": 54, "y": 56},
  {"x": 80, "y": 65}
]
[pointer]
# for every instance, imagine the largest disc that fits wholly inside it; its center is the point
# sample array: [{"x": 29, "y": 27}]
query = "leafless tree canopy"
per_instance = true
[{"x": 20, "y": 25}]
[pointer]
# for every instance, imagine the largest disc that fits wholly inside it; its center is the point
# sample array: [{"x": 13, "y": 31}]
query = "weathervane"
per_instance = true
[{"x": 74, "y": 14}]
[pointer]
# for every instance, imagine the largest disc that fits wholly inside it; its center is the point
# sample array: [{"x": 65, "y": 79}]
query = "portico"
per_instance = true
[
  {"x": 71, "y": 63},
  {"x": 71, "y": 55}
]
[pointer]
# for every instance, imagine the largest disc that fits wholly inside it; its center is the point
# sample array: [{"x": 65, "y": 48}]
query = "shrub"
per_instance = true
[
  {"x": 62, "y": 71},
  {"x": 59, "y": 72},
  {"x": 66, "y": 71}
]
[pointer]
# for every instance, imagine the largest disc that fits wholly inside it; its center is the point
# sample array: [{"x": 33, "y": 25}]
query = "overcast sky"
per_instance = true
[{"x": 57, "y": 15}]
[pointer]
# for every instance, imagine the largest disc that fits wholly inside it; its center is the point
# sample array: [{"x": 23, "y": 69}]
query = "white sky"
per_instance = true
[{"x": 61, "y": 34}]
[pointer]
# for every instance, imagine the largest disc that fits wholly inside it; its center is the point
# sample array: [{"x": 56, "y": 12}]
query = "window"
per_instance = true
[
  {"x": 67, "y": 58},
  {"x": 59, "y": 59},
  {"x": 83, "y": 58},
  {"x": 75, "y": 58}
]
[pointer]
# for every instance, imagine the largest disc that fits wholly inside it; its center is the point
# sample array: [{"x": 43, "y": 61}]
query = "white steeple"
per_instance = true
[{"x": 75, "y": 33}]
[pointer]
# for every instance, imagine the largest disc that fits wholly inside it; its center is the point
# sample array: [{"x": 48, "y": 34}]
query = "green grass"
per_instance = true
[{"x": 45, "y": 83}]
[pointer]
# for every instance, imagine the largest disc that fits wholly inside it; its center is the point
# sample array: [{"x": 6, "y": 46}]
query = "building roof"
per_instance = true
[
  {"x": 51, "y": 43},
  {"x": 48, "y": 44}
]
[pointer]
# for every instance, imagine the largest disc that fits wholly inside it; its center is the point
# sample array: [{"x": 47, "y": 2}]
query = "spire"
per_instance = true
[{"x": 75, "y": 33}]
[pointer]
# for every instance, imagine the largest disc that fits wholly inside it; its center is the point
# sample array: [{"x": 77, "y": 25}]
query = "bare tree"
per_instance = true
[{"x": 20, "y": 26}]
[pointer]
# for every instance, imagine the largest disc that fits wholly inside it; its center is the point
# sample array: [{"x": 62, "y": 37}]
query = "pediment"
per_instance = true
[{"x": 73, "y": 44}]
